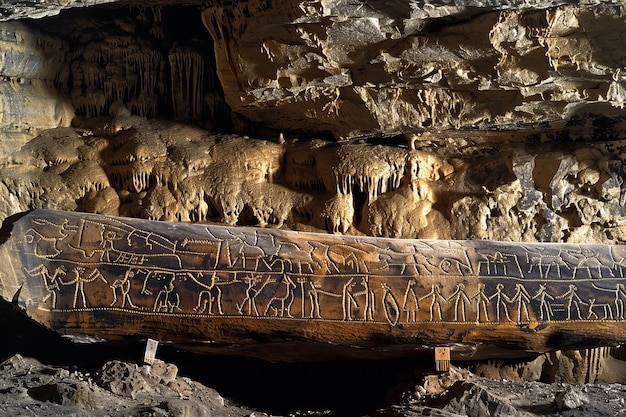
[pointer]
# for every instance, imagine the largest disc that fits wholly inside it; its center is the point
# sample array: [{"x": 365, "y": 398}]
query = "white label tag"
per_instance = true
[{"x": 151, "y": 348}]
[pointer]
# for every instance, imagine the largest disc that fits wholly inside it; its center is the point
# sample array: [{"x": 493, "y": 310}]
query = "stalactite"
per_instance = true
[{"x": 188, "y": 83}]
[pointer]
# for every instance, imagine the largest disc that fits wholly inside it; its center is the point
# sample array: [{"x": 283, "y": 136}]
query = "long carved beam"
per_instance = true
[{"x": 256, "y": 291}]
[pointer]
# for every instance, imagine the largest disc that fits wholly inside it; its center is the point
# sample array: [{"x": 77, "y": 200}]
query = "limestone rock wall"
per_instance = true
[
  {"x": 469, "y": 121},
  {"x": 358, "y": 68}
]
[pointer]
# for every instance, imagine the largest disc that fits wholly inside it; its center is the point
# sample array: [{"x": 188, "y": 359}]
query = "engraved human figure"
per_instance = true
[
  {"x": 620, "y": 294},
  {"x": 481, "y": 301},
  {"x": 501, "y": 300},
  {"x": 284, "y": 297},
  {"x": 51, "y": 282},
  {"x": 124, "y": 286},
  {"x": 437, "y": 299},
  {"x": 545, "y": 308},
  {"x": 314, "y": 295},
  {"x": 302, "y": 281},
  {"x": 315, "y": 300},
  {"x": 209, "y": 297},
  {"x": 368, "y": 309},
  {"x": 390, "y": 305},
  {"x": 80, "y": 281},
  {"x": 523, "y": 299},
  {"x": 348, "y": 300},
  {"x": 592, "y": 314},
  {"x": 572, "y": 299},
  {"x": 460, "y": 299},
  {"x": 411, "y": 303},
  {"x": 167, "y": 299},
  {"x": 251, "y": 294}
]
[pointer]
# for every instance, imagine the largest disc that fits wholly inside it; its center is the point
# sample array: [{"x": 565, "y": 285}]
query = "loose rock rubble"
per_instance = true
[{"x": 28, "y": 387}]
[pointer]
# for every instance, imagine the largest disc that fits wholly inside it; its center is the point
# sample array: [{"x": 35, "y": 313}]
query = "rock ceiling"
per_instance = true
[{"x": 401, "y": 118}]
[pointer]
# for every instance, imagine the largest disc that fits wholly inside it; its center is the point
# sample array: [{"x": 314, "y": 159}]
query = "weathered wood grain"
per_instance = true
[{"x": 265, "y": 291}]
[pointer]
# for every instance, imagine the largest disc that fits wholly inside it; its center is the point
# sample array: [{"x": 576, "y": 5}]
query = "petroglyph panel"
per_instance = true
[{"x": 71, "y": 262}]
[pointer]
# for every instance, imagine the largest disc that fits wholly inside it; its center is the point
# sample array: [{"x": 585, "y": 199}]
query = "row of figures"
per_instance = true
[
  {"x": 330, "y": 297},
  {"x": 518, "y": 306},
  {"x": 94, "y": 240}
]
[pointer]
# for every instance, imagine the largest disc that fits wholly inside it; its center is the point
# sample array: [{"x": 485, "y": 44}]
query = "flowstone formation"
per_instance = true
[{"x": 542, "y": 186}]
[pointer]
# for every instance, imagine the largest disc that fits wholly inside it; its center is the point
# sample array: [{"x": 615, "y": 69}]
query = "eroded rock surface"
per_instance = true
[{"x": 355, "y": 68}]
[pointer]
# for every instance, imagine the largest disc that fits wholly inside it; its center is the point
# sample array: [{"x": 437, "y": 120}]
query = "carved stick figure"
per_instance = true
[
  {"x": 481, "y": 301},
  {"x": 411, "y": 302},
  {"x": 460, "y": 297},
  {"x": 544, "y": 306},
  {"x": 124, "y": 286},
  {"x": 252, "y": 293},
  {"x": 572, "y": 299},
  {"x": 50, "y": 282},
  {"x": 80, "y": 281},
  {"x": 523, "y": 298},
  {"x": 437, "y": 299},
  {"x": 348, "y": 299},
  {"x": 315, "y": 299},
  {"x": 368, "y": 310},
  {"x": 501, "y": 297}
]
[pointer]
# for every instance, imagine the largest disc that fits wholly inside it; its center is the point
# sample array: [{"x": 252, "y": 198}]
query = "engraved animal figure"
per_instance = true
[
  {"x": 296, "y": 256},
  {"x": 620, "y": 266},
  {"x": 460, "y": 300},
  {"x": 573, "y": 300},
  {"x": 124, "y": 285},
  {"x": 349, "y": 256},
  {"x": 501, "y": 300},
  {"x": 321, "y": 256},
  {"x": 620, "y": 295},
  {"x": 283, "y": 298},
  {"x": 417, "y": 261},
  {"x": 497, "y": 263},
  {"x": 436, "y": 299},
  {"x": 545, "y": 308},
  {"x": 450, "y": 257},
  {"x": 608, "y": 313},
  {"x": 410, "y": 304},
  {"x": 245, "y": 251},
  {"x": 45, "y": 235},
  {"x": 481, "y": 301},
  {"x": 591, "y": 261},
  {"x": 540, "y": 260},
  {"x": 50, "y": 282}
]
